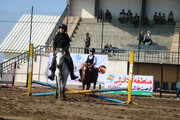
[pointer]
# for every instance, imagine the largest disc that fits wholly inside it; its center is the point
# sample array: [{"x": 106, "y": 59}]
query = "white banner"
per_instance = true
[{"x": 78, "y": 60}]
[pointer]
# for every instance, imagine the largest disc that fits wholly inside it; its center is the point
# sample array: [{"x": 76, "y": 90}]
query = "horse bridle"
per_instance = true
[{"x": 59, "y": 50}]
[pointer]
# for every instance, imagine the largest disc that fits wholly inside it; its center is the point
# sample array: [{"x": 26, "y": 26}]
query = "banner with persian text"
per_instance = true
[{"x": 141, "y": 85}]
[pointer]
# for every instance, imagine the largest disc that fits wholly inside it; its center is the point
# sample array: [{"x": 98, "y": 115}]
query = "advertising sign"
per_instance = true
[
  {"x": 78, "y": 60},
  {"x": 141, "y": 85}
]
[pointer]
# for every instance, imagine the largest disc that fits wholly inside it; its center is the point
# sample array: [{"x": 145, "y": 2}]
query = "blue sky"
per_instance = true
[{"x": 12, "y": 10}]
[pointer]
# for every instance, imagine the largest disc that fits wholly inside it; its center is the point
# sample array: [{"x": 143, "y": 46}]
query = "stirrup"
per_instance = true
[{"x": 51, "y": 77}]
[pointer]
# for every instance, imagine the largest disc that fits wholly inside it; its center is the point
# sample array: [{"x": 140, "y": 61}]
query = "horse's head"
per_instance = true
[
  {"x": 59, "y": 56},
  {"x": 85, "y": 71}
]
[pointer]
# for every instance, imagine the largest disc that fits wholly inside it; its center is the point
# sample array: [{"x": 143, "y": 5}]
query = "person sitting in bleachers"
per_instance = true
[
  {"x": 99, "y": 15},
  {"x": 106, "y": 47},
  {"x": 155, "y": 18},
  {"x": 129, "y": 16},
  {"x": 141, "y": 37},
  {"x": 163, "y": 19},
  {"x": 159, "y": 18},
  {"x": 145, "y": 21},
  {"x": 110, "y": 48},
  {"x": 122, "y": 16},
  {"x": 136, "y": 20},
  {"x": 108, "y": 16},
  {"x": 148, "y": 40},
  {"x": 171, "y": 18}
]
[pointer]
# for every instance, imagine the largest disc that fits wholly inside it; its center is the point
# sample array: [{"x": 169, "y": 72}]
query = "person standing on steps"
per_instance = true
[{"x": 87, "y": 43}]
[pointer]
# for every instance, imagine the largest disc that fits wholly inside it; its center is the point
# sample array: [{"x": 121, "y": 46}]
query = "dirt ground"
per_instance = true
[{"x": 80, "y": 107}]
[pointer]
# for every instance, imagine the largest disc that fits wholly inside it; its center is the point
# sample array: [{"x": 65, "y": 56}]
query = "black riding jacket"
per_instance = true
[{"x": 61, "y": 40}]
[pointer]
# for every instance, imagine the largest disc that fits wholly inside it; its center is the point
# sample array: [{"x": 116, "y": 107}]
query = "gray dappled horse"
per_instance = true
[{"x": 61, "y": 74}]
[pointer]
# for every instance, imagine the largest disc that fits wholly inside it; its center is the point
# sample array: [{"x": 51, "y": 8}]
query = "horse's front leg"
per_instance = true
[
  {"x": 56, "y": 87},
  {"x": 94, "y": 87},
  {"x": 83, "y": 85},
  {"x": 88, "y": 86},
  {"x": 60, "y": 89},
  {"x": 64, "y": 89}
]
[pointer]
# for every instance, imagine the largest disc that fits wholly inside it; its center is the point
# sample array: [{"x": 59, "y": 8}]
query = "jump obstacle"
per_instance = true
[
  {"x": 80, "y": 92},
  {"x": 83, "y": 91}
]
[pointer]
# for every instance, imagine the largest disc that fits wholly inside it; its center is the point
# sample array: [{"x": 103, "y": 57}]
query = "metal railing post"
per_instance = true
[
  {"x": 1, "y": 66},
  {"x": 102, "y": 33},
  {"x": 178, "y": 48}
]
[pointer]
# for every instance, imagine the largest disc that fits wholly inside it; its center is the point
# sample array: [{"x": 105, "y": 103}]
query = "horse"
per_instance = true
[
  {"x": 88, "y": 77},
  {"x": 61, "y": 74}
]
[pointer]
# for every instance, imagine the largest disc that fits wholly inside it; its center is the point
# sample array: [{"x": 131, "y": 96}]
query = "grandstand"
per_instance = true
[{"x": 122, "y": 36}]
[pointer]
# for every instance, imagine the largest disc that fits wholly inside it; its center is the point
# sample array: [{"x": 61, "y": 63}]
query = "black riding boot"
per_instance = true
[
  {"x": 92, "y": 74},
  {"x": 70, "y": 67},
  {"x": 80, "y": 72}
]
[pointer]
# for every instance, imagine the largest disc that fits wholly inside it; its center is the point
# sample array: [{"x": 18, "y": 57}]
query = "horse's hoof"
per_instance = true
[{"x": 64, "y": 96}]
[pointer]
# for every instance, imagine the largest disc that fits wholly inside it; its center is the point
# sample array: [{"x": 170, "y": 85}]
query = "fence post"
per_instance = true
[
  {"x": 178, "y": 48},
  {"x": 14, "y": 72},
  {"x": 1, "y": 66}
]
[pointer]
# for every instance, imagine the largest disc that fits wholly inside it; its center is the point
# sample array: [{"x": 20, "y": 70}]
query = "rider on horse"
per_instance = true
[
  {"x": 61, "y": 40},
  {"x": 91, "y": 61}
]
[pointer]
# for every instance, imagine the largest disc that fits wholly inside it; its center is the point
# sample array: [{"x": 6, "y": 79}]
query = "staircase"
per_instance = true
[
  {"x": 72, "y": 24},
  {"x": 122, "y": 36},
  {"x": 175, "y": 43}
]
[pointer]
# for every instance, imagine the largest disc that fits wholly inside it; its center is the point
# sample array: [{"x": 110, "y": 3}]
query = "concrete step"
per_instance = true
[{"x": 121, "y": 35}]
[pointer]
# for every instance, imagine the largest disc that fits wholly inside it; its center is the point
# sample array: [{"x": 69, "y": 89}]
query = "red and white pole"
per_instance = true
[{"x": 13, "y": 78}]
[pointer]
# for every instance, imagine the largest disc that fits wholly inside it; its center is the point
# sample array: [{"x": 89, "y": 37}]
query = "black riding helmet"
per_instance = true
[
  {"x": 92, "y": 50},
  {"x": 64, "y": 27}
]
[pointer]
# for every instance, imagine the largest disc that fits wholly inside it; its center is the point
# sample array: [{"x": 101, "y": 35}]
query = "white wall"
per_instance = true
[
  {"x": 116, "y": 6},
  {"x": 1, "y": 57},
  {"x": 21, "y": 71},
  {"x": 163, "y": 6},
  {"x": 117, "y": 67},
  {"x": 8, "y": 56},
  {"x": 82, "y": 8}
]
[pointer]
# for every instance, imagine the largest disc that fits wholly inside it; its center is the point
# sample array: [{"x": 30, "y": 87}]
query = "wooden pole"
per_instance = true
[{"x": 30, "y": 69}]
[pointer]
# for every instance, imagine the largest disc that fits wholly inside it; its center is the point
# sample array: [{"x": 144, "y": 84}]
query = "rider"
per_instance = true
[
  {"x": 61, "y": 40},
  {"x": 91, "y": 61}
]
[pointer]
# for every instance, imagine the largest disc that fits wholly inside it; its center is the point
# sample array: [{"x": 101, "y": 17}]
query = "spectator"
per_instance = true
[
  {"x": 178, "y": 89},
  {"x": 129, "y": 16},
  {"x": 159, "y": 18},
  {"x": 145, "y": 21},
  {"x": 148, "y": 40},
  {"x": 155, "y": 18},
  {"x": 171, "y": 17},
  {"x": 136, "y": 20},
  {"x": 87, "y": 43},
  {"x": 106, "y": 47},
  {"x": 110, "y": 48},
  {"x": 99, "y": 16},
  {"x": 163, "y": 19},
  {"x": 108, "y": 16},
  {"x": 141, "y": 37},
  {"x": 122, "y": 16}
]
